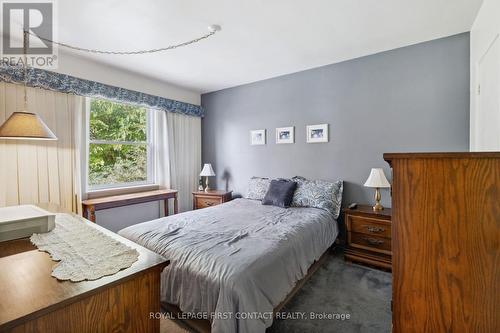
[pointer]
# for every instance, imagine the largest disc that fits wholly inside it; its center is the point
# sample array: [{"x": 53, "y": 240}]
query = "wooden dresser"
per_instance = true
[
  {"x": 202, "y": 199},
  {"x": 446, "y": 242},
  {"x": 368, "y": 236},
  {"x": 31, "y": 300}
]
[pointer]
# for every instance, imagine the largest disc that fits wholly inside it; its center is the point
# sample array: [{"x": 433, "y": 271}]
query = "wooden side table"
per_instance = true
[
  {"x": 90, "y": 206},
  {"x": 368, "y": 236},
  {"x": 202, "y": 199}
]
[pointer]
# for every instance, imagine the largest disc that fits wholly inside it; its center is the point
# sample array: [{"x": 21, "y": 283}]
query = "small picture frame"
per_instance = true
[
  {"x": 258, "y": 137},
  {"x": 285, "y": 135},
  {"x": 317, "y": 133}
]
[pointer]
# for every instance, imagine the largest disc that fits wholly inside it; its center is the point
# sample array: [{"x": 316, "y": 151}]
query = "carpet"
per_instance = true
[
  {"x": 339, "y": 288},
  {"x": 170, "y": 326}
]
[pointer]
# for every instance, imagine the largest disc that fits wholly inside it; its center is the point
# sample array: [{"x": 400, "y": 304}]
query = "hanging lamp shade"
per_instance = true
[{"x": 25, "y": 126}]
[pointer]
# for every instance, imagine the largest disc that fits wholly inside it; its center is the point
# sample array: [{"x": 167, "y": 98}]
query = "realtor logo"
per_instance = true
[{"x": 38, "y": 19}]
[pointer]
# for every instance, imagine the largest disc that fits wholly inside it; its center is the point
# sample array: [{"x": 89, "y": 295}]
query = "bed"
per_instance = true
[{"x": 235, "y": 263}]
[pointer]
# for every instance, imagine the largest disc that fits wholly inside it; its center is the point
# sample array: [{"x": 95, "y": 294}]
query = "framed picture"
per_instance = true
[
  {"x": 317, "y": 133},
  {"x": 258, "y": 137},
  {"x": 285, "y": 135}
]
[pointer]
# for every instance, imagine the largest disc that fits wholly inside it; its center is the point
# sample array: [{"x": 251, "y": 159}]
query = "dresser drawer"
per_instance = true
[
  {"x": 370, "y": 242},
  {"x": 368, "y": 226},
  {"x": 204, "y": 202},
  {"x": 368, "y": 236}
]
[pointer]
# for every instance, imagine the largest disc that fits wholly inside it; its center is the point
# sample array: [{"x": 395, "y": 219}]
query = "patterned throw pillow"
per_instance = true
[
  {"x": 257, "y": 188},
  {"x": 318, "y": 194}
]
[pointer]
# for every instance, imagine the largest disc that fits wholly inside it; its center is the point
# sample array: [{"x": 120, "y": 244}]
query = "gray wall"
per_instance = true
[
  {"x": 410, "y": 99},
  {"x": 116, "y": 219}
]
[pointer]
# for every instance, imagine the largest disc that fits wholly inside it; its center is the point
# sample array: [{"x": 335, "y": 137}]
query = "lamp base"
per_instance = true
[
  {"x": 378, "y": 206},
  {"x": 207, "y": 188}
]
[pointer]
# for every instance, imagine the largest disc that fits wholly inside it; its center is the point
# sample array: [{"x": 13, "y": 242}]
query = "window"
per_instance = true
[{"x": 119, "y": 145}]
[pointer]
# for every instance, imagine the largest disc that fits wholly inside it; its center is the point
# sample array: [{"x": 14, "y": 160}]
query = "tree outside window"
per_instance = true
[{"x": 119, "y": 145}]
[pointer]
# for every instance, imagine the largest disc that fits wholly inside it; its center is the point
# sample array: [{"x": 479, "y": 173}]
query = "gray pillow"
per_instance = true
[
  {"x": 257, "y": 188},
  {"x": 280, "y": 193},
  {"x": 318, "y": 194}
]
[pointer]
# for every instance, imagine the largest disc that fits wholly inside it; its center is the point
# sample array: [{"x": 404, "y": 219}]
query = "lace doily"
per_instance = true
[{"x": 83, "y": 252}]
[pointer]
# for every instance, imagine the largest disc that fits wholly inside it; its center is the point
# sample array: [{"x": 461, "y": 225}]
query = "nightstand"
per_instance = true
[
  {"x": 368, "y": 236},
  {"x": 202, "y": 199}
]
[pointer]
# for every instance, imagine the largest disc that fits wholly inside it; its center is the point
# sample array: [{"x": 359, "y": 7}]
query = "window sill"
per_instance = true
[{"x": 122, "y": 190}]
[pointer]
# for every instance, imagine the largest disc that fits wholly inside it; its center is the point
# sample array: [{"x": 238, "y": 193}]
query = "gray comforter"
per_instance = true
[{"x": 235, "y": 262}]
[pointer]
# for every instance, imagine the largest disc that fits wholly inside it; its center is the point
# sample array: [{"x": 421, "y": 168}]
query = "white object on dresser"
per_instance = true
[{"x": 22, "y": 221}]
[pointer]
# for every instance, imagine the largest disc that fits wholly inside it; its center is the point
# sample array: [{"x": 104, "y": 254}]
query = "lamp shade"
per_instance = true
[
  {"x": 207, "y": 171},
  {"x": 377, "y": 179},
  {"x": 25, "y": 126}
]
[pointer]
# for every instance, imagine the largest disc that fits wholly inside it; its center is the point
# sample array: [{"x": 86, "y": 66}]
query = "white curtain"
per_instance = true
[
  {"x": 42, "y": 171},
  {"x": 178, "y": 140}
]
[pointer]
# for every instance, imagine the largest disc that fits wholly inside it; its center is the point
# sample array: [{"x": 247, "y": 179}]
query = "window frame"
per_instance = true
[{"x": 150, "y": 149}]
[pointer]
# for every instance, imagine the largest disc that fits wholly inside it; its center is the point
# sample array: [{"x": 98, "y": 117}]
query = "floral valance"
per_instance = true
[{"x": 44, "y": 79}]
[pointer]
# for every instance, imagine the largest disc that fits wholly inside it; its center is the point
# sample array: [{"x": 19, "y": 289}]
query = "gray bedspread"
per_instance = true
[{"x": 233, "y": 263}]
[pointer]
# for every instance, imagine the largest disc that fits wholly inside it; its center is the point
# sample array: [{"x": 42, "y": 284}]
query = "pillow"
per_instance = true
[
  {"x": 280, "y": 193},
  {"x": 257, "y": 188},
  {"x": 318, "y": 194}
]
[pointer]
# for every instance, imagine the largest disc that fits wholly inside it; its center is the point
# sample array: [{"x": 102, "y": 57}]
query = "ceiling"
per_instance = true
[{"x": 259, "y": 39}]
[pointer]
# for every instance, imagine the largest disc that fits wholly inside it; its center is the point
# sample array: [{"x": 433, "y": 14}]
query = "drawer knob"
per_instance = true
[
  {"x": 209, "y": 203},
  {"x": 374, "y": 229},
  {"x": 374, "y": 241}
]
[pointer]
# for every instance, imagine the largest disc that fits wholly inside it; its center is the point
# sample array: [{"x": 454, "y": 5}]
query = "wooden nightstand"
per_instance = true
[
  {"x": 202, "y": 199},
  {"x": 368, "y": 236}
]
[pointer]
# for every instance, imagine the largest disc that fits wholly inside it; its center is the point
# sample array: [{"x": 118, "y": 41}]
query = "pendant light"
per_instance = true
[{"x": 25, "y": 125}]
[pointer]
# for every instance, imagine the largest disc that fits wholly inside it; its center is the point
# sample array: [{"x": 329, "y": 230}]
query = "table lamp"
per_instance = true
[
  {"x": 207, "y": 171},
  {"x": 377, "y": 180}
]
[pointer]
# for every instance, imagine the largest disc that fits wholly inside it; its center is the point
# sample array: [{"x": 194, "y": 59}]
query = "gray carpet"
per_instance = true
[{"x": 343, "y": 288}]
